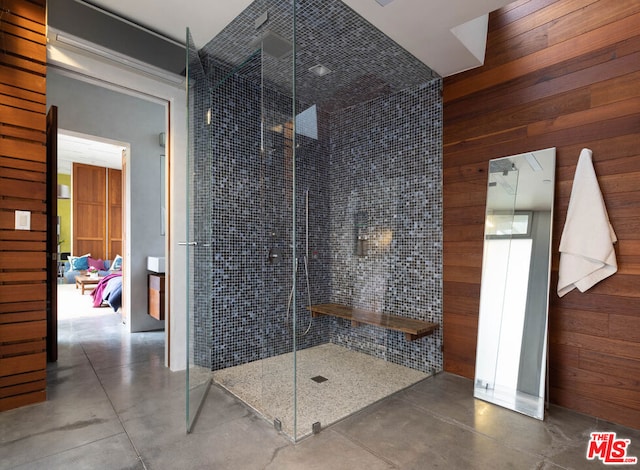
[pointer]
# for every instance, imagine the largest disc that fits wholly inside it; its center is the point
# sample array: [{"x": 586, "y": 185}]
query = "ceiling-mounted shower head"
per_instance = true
[
  {"x": 273, "y": 44},
  {"x": 320, "y": 70},
  {"x": 501, "y": 165}
]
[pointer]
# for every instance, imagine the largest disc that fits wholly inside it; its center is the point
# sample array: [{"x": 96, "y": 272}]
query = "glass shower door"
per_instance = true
[
  {"x": 198, "y": 243},
  {"x": 230, "y": 163},
  {"x": 241, "y": 213}
]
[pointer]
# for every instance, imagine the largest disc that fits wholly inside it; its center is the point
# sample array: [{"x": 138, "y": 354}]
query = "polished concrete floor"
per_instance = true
[{"x": 112, "y": 405}]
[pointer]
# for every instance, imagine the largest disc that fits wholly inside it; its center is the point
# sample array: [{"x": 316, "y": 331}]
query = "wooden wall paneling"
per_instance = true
[
  {"x": 32, "y": 10},
  {"x": 22, "y": 389},
  {"x": 514, "y": 11},
  {"x": 97, "y": 211},
  {"x": 606, "y": 35},
  {"x": 114, "y": 235},
  {"x": 12, "y": 292},
  {"x": 595, "y": 70},
  {"x": 23, "y": 46},
  {"x": 15, "y": 77},
  {"x": 20, "y": 149},
  {"x": 20, "y": 261},
  {"x": 22, "y": 183},
  {"x": 89, "y": 199},
  {"x": 30, "y": 376},
  {"x": 14, "y": 94},
  {"x": 15, "y": 102},
  {"x": 591, "y": 17},
  {"x": 35, "y": 168},
  {"x": 24, "y": 28},
  {"x": 564, "y": 74}
]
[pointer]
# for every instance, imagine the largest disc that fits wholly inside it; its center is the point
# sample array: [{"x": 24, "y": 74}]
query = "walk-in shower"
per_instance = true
[{"x": 283, "y": 165}]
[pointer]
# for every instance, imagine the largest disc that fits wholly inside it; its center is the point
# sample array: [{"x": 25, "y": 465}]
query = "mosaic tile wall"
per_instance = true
[
  {"x": 251, "y": 216},
  {"x": 374, "y": 171},
  {"x": 365, "y": 62},
  {"x": 385, "y": 173}
]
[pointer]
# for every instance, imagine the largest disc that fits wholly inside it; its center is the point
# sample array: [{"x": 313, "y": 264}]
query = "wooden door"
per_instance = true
[
  {"x": 52, "y": 234},
  {"x": 114, "y": 223},
  {"x": 89, "y": 210}
]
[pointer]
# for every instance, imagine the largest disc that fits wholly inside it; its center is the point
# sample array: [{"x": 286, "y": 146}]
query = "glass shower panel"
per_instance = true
[
  {"x": 277, "y": 303},
  {"x": 368, "y": 215},
  {"x": 323, "y": 147},
  {"x": 250, "y": 161},
  {"x": 198, "y": 243}
]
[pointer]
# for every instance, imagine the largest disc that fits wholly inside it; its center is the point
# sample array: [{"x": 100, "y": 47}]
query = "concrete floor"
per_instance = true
[{"x": 112, "y": 405}]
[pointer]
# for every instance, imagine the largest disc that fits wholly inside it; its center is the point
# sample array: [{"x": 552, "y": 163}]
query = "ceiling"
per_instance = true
[
  {"x": 434, "y": 31},
  {"x": 73, "y": 147},
  {"x": 448, "y": 42},
  {"x": 362, "y": 62}
]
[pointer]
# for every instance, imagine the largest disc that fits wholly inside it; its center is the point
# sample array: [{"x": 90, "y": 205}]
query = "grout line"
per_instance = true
[
  {"x": 364, "y": 447},
  {"x": 466, "y": 427},
  {"x": 48, "y": 456},
  {"x": 144, "y": 466}
]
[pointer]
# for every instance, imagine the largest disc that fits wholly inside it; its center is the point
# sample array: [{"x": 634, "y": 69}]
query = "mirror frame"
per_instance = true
[{"x": 511, "y": 365}]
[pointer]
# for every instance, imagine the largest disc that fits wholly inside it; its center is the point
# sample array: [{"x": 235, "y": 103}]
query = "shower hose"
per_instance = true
[{"x": 306, "y": 273}]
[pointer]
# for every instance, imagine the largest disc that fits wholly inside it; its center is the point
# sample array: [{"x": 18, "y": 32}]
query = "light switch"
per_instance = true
[{"x": 23, "y": 220}]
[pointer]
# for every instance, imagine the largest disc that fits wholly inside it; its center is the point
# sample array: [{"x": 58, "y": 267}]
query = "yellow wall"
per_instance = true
[{"x": 64, "y": 212}]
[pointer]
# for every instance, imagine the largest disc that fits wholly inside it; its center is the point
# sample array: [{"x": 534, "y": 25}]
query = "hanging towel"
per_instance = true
[{"x": 586, "y": 247}]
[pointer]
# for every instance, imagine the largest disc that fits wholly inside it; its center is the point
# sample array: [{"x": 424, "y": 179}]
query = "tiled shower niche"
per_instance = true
[{"x": 375, "y": 170}]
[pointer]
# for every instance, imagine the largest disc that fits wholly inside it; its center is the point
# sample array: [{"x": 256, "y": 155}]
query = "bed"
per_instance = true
[{"x": 108, "y": 291}]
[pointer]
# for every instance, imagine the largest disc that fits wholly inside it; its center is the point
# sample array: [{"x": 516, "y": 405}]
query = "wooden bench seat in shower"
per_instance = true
[{"x": 412, "y": 329}]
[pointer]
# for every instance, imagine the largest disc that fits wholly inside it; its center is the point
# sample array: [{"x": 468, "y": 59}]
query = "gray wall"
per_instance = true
[{"x": 101, "y": 112}]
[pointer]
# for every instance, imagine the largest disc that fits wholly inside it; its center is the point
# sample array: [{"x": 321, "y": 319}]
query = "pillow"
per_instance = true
[
  {"x": 96, "y": 263},
  {"x": 117, "y": 264},
  {"x": 79, "y": 263}
]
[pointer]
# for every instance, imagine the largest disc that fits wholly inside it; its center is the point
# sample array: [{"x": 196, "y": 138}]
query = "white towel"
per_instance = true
[{"x": 586, "y": 247}]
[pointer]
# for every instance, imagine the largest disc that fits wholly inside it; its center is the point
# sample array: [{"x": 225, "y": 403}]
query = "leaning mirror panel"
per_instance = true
[{"x": 514, "y": 296}]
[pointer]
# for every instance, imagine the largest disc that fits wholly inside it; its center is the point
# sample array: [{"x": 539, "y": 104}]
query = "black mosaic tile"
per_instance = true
[
  {"x": 365, "y": 63},
  {"x": 386, "y": 163},
  {"x": 375, "y": 171}
]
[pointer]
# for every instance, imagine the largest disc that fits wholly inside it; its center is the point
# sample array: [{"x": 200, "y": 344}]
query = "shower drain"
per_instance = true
[{"x": 319, "y": 379}]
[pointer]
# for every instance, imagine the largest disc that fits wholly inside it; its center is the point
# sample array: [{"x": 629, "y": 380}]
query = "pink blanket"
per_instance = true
[{"x": 97, "y": 292}]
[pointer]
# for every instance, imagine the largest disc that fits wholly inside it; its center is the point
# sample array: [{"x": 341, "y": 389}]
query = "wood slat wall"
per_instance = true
[
  {"x": 22, "y": 187},
  {"x": 562, "y": 74}
]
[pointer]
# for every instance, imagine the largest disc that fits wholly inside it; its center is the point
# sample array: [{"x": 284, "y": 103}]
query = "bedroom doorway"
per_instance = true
[
  {"x": 99, "y": 98},
  {"x": 90, "y": 221},
  {"x": 114, "y": 114}
]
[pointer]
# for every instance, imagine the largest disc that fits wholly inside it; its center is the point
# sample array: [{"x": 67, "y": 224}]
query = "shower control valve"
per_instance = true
[{"x": 274, "y": 256}]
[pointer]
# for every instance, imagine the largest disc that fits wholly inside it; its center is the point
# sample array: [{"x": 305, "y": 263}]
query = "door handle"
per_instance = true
[{"x": 193, "y": 244}]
